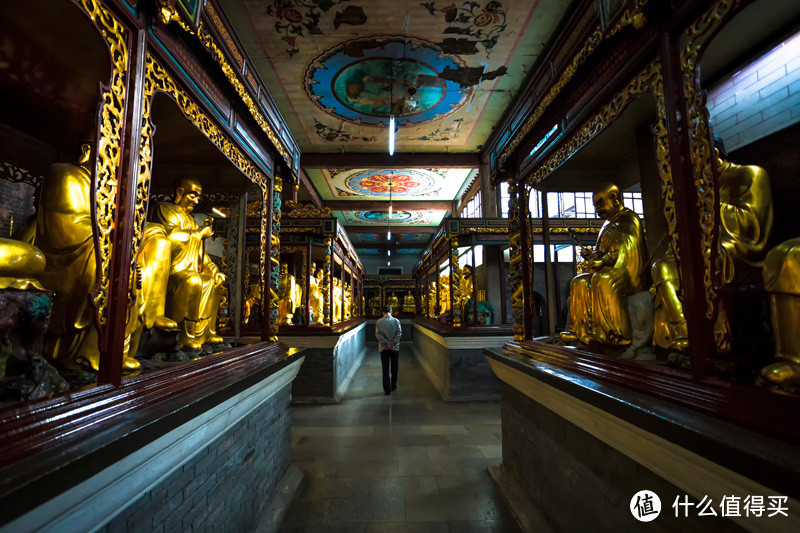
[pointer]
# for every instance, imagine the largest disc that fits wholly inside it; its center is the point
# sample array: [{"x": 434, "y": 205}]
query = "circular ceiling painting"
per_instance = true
[
  {"x": 376, "y": 183},
  {"x": 383, "y": 216},
  {"x": 366, "y": 80}
]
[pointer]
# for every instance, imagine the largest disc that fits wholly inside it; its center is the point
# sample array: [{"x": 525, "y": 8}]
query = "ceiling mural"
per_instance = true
[
  {"x": 337, "y": 69},
  {"x": 407, "y": 184},
  {"x": 399, "y": 217}
]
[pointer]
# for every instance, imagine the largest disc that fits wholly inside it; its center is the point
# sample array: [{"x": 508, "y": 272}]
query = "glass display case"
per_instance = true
[
  {"x": 461, "y": 276},
  {"x": 322, "y": 278}
]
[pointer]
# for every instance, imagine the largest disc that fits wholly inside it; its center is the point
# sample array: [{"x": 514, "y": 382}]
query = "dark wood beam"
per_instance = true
[
  {"x": 383, "y": 160},
  {"x": 397, "y": 229},
  {"x": 312, "y": 192},
  {"x": 383, "y": 205}
]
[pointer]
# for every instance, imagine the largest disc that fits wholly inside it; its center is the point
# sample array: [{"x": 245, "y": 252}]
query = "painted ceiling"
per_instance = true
[
  {"x": 382, "y": 218},
  {"x": 406, "y": 184},
  {"x": 337, "y": 69}
]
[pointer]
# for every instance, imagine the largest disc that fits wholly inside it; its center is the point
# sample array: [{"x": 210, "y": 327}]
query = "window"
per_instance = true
[
  {"x": 473, "y": 209},
  {"x": 505, "y": 197},
  {"x": 633, "y": 201}
]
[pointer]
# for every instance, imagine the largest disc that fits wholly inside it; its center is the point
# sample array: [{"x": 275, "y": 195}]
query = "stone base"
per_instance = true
[
  {"x": 331, "y": 361},
  {"x": 455, "y": 365}
]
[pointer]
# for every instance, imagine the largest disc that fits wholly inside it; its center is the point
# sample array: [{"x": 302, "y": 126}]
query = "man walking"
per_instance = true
[{"x": 388, "y": 332}]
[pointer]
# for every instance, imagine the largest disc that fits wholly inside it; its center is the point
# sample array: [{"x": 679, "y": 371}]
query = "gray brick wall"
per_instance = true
[
  {"x": 760, "y": 99},
  {"x": 577, "y": 481},
  {"x": 224, "y": 487}
]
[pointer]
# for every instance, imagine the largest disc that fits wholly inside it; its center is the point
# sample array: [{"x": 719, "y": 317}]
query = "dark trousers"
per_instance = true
[{"x": 386, "y": 356}]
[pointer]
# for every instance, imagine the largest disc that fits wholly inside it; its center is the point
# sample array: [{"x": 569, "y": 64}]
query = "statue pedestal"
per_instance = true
[
  {"x": 332, "y": 358},
  {"x": 25, "y": 375},
  {"x": 453, "y": 358}
]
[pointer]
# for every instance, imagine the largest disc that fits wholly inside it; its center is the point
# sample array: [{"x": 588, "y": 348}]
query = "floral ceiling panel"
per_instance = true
[
  {"x": 338, "y": 69},
  {"x": 404, "y": 184},
  {"x": 400, "y": 218}
]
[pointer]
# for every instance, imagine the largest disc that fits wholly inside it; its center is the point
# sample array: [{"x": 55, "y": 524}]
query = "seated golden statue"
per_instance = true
[
  {"x": 465, "y": 289},
  {"x": 252, "y": 304},
  {"x": 444, "y": 294},
  {"x": 194, "y": 280},
  {"x": 65, "y": 234},
  {"x": 337, "y": 300},
  {"x": 317, "y": 301},
  {"x": 394, "y": 302},
  {"x": 432, "y": 300},
  {"x": 287, "y": 287},
  {"x": 375, "y": 305},
  {"x": 745, "y": 227},
  {"x": 348, "y": 303},
  {"x": 782, "y": 282},
  {"x": 599, "y": 298},
  {"x": 408, "y": 303}
]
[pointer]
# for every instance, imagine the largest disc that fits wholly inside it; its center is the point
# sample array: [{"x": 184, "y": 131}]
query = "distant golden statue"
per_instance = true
[
  {"x": 348, "y": 303},
  {"x": 375, "y": 305},
  {"x": 408, "y": 303},
  {"x": 336, "y": 304},
  {"x": 194, "y": 281},
  {"x": 444, "y": 294},
  {"x": 746, "y": 216},
  {"x": 599, "y": 298},
  {"x": 317, "y": 301},
  {"x": 287, "y": 288},
  {"x": 393, "y": 302},
  {"x": 432, "y": 300},
  {"x": 252, "y": 305}
]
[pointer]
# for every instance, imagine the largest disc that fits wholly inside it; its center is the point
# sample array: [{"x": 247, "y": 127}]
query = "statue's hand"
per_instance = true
[
  {"x": 206, "y": 232},
  {"x": 587, "y": 252},
  {"x": 219, "y": 278}
]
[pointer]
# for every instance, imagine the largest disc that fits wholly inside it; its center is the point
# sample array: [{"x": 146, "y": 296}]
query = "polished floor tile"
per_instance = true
[{"x": 408, "y": 462}]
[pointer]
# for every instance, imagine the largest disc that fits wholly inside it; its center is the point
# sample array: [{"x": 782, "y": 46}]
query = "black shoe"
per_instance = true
[
  {"x": 387, "y": 393},
  {"x": 394, "y": 388}
]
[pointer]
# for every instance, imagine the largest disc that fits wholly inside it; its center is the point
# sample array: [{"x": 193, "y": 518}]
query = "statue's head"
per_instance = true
[
  {"x": 284, "y": 268},
  {"x": 607, "y": 201},
  {"x": 187, "y": 193}
]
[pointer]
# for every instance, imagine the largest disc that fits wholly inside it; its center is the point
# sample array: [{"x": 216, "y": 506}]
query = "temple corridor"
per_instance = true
[{"x": 405, "y": 462}]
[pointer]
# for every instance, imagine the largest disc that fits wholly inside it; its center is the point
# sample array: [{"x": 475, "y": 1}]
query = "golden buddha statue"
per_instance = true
[
  {"x": 348, "y": 303},
  {"x": 337, "y": 300},
  {"x": 286, "y": 293},
  {"x": 745, "y": 227},
  {"x": 444, "y": 294},
  {"x": 375, "y": 305},
  {"x": 393, "y": 302},
  {"x": 432, "y": 300},
  {"x": 252, "y": 304},
  {"x": 465, "y": 288},
  {"x": 194, "y": 281},
  {"x": 317, "y": 301},
  {"x": 65, "y": 234},
  {"x": 782, "y": 282},
  {"x": 599, "y": 298},
  {"x": 408, "y": 303}
]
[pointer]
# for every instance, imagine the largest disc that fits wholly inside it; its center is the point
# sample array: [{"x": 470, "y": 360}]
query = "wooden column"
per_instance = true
[
  {"x": 700, "y": 329},
  {"x": 112, "y": 336},
  {"x": 550, "y": 293}
]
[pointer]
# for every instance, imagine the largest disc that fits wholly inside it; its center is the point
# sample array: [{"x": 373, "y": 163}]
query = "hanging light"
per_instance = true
[{"x": 391, "y": 135}]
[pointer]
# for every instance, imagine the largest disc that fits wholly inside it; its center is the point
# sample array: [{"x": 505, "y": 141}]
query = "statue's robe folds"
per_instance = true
[
  {"x": 745, "y": 216},
  {"x": 64, "y": 233},
  {"x": 193, "y": 296},
  {"x": 599, "y": 300}
]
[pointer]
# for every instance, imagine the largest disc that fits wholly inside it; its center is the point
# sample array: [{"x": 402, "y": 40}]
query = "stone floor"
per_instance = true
[{"x": 408, "y": 462}]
